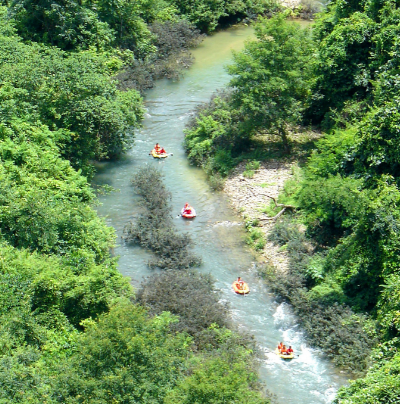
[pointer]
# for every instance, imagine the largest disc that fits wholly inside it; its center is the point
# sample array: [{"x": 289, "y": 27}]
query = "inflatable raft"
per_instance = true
[
  {"x": 291, "y": 356},
  {"x": 240, "y": 288},
  {"x": 190, "y": 215},
  {"x": 158, "y": 155}
]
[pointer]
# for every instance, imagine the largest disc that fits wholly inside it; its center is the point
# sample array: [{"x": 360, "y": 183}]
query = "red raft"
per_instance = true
[
  {"x": 241, "y": 288},
  {"x": 188, "y": 214}
]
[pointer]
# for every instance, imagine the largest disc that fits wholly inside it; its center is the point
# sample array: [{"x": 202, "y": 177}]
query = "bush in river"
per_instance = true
[
  {"x": 172, "y": 41},
  {"x": 153, "y": 228},
  {"x": 187, "y": 294}
]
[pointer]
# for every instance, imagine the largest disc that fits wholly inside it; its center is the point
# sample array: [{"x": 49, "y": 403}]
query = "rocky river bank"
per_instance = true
[{"x": 249, "y": 195}]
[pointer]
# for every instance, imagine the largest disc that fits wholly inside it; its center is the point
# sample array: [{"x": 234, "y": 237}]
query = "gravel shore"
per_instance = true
[{"x": 248, "y": 195}]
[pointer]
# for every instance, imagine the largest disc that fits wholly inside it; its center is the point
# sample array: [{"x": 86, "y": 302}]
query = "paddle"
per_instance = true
[{"x": 180, "y": 214}]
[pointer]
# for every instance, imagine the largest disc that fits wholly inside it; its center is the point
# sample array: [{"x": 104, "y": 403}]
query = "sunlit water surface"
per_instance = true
[{"x": 308, "y": 379}]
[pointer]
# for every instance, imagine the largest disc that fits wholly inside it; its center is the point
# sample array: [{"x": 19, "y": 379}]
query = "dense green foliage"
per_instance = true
[
  {"x": 271, "y": 78},
  {"x": 380, "y": 386},
  {"x": 271, "y": 81},
  {"x": 70, "y": 331},
  {"x": 344, "y": 267},
  {"x": 124, "y": 357},
  {"x": 217, "y": 381},
  {"x": 206, "y": 15},
  {"x": 146, "y": 39},
  {"x": 73, "y": 94},
  {"x": 126, "y": 24},
  {"x": 344, "y": 336}
]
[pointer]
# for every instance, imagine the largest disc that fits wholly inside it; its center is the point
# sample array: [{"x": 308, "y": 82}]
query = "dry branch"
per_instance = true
[
  {"x": 274, "y": 199},
  {"x": 273, "y": 218},
  {"x": 281, "y": 205}
]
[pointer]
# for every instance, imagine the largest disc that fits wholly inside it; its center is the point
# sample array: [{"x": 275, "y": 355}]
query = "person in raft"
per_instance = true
[
  {"x": 187, "y": 209},
  {"x": 240, "y": 282},
  {"x": 157, "y": 148},
  {"x": 284, "y": 350},
  {"x": 280, "y": 346},
  {"x": 162, "y": 151}
]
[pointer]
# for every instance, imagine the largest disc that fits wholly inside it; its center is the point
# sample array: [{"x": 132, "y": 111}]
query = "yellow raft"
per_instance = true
[
  {"x": 240, "y": 288},
  {"x": 158, "y": 155},
  {"x": 291, "y": 356}
]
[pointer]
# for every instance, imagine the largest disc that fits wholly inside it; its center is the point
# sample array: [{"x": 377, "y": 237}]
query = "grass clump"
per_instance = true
[
  {"x": 251, "y": 168},
  {"x": 248, "y": 173},
  {"x": 256, "y": 237},
  {"x": 253, "y": 165},
  {"x": 266, "y": 184},
  {"x": 270, "y": 209}
]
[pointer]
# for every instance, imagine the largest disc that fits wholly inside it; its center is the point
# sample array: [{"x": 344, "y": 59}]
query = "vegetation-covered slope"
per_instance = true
[
  {"x": 71, "y": 328},
  {"x": 346, "y": 81}
]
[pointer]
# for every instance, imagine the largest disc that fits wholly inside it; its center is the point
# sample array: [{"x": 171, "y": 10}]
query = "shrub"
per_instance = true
[
  {"x": 256, "y": 238},
  {"x": 260, "y": 244},
  {"x": 173, "y": 40},
  {"x": 380, "y": 386},
  {"x": 253, "y": 165},
  {"x": 248, "y": 173},
  {"x": 187, "y": 294},
  {"x": 213, "y": 139},
  {"x": 216, "y": 182},
  {"x": 154, "y": 229}
]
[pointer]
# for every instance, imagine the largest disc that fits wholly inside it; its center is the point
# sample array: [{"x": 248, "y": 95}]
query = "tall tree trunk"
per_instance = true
[{"x": 284, "y": 134}]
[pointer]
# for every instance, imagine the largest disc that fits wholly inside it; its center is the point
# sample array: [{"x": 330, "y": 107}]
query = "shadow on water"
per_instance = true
[{"x": 217, "y": 231}]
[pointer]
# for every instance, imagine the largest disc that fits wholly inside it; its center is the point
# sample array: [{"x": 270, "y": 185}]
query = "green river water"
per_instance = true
[{"x": 308, "y": 379}]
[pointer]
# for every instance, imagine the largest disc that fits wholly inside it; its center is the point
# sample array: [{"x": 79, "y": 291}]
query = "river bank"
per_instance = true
[
  {"x": 285, "y": 251},
  {"x": 248, "y": 195}
]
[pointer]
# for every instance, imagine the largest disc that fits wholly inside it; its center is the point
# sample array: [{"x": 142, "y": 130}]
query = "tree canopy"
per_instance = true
[
  {"x": 271, "y": 78},
  {"x": 71, "y": 329},
  {"x": 343, "y": 239}
]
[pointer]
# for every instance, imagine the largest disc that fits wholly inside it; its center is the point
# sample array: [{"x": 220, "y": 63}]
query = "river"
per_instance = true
[{"x": 219, "y": 236}]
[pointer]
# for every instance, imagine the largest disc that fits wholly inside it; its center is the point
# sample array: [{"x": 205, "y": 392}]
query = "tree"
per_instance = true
[
  {"x": 72, "y": 92},
  {"x": 207, "y": 14},
  {"x": 125, "y": 357},
  {"x": 272, "y": 77},
  {"x": 380, "y": 386},
  {"x": 64, "y": 23},
  {"x": 218, "y": 381},
  {"x": 343, "y": 63}
]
